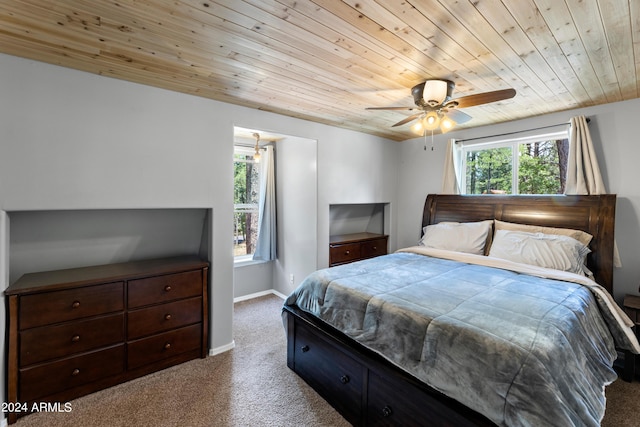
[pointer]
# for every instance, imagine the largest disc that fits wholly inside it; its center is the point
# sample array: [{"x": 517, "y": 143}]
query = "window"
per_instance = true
[
  {"x": 246, "y": 196},
  {"x": 532, "y": 165}
]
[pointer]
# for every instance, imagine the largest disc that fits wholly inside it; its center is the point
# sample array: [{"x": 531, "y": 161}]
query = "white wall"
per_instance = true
[
  {"x": 51, "y": 240},
  {"x": 74, "y": 140},
  {"x": 361, "y": 169},
  {"x": 297, "y": 205},
  {"x": 614, "y": 129}
]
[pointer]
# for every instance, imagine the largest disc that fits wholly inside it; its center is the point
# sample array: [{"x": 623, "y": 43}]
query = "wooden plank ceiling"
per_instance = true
[{"x": 326, "y": 60}]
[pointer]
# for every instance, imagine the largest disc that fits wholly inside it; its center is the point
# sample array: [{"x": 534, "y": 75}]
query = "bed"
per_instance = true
[{"x": 435, "y": 336}]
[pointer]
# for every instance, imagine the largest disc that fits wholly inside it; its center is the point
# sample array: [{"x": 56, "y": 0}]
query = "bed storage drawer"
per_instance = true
[
  {"x": 334, "y": 375},
  {"x": 398, "y": 403}
]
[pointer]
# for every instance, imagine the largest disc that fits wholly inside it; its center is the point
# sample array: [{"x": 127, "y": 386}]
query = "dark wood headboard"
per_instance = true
[{"x": 593, "y": 214}]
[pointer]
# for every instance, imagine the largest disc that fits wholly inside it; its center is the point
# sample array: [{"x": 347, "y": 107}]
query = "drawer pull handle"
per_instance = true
[
  {"x": 347, "y": 252},
  {"x": 75, "y": 372},
  {"x": 75, "y": 338},
  {"x": 75, "y": 304},
  {"x": 344, "y": 379},
  {"x": 375, "y": 248},
  {"x": 304, "y": 348},
  {"x": 386, "y": 411},
  {"x": 167, "y": 288},
  {"x": 167, "y": 316},
  {"x": 167, "y": 346}
]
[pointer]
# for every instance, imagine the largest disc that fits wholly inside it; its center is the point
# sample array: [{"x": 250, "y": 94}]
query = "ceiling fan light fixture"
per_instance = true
[
  {"x": 446, "y": 124},
  {"x": 431, "y": 121},
  {"x": 256, "y": 155},
  {"x": 417, "y": 127},
  {"x": 435, "y": 91}
]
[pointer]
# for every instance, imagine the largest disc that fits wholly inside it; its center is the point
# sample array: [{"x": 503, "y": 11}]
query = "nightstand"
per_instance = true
[
  {"x": 345, "y": 248},
  {"x": 631, "y": 306}
]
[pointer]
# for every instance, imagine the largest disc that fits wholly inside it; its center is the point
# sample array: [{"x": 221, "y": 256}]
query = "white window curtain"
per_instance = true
[
  {"x": 266, "y": 244},
  {"x": 451, "y": 172},
  {"x": 583, "y": 172}
]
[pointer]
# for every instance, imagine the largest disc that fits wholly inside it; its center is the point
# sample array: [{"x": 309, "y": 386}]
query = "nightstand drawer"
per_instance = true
[
  {"x": 344, "y": 253},
  {"x": 163, "y": 346},
  {"x": 59, "y": 306},
  {"x": 374, "y": 248},
  {"x": 164, "y": 288},
  {"x": 345, "y": 248},
  {"x": 52, "y": 342},
  {"x": 163, "y": 317},
  {"x": 50, "y": 378}
]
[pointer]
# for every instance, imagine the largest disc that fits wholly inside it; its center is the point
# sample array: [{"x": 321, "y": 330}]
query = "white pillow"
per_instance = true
[
  {"x": 545, "y": 250},
  {"x": 470, "y": 237},
  {"x": 581, "y": 236}
]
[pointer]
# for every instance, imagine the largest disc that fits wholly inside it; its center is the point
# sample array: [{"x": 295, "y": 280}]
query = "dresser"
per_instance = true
[
  {"x": 345, "y": 248},
  {"x": 76, "y": 331}
]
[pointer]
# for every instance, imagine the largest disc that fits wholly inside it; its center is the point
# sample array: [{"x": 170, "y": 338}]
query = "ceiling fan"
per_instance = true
[{"x": 437, "y": 109}]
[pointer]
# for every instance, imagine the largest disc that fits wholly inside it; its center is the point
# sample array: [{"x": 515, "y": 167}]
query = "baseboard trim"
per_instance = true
[
  {"x": 222, "y": 349},
  {"x": 232, "y": 344},
  {"x": 259, "y": 294}
]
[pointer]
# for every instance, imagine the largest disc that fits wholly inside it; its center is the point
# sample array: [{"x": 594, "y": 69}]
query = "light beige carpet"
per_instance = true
[{"x": 247, "y": 386}]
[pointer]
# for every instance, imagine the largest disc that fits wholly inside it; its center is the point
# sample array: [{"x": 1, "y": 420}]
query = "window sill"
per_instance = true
[{"x": 243, "y": 261}]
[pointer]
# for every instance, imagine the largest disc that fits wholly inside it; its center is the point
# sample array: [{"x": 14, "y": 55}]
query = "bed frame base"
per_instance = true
[{"x": 362, "y": 386}]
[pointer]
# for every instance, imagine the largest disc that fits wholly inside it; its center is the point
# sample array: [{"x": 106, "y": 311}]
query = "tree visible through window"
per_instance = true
[
  {"x": 246, "y": 196},
  {"x": 535, "y": 166}
]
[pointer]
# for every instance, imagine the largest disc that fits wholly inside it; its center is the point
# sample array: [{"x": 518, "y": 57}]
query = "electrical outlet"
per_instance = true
[{"x": 291, "y": 278}]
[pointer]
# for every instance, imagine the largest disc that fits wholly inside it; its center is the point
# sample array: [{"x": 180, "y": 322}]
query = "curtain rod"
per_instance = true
[
  {"x": 513, "y": 133},
  {"x": 262, "y": 146}
]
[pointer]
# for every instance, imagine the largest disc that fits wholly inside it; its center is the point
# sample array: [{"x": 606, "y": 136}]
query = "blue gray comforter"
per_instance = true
[{"x": 522, "y": 350}]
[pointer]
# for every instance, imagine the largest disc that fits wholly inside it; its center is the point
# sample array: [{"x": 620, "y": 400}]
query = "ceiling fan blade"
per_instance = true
[
  {"x": 391, "y": 108},
  {"x": 458, "y": 116},
  {"x": 485, "y": 98},
  {"x": 408, "y": 119}
]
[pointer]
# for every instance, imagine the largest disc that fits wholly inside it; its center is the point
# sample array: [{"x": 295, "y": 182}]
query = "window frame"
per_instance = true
[
  {"x": 512, "y": 143},
  {"x": 244, "y": 150}
]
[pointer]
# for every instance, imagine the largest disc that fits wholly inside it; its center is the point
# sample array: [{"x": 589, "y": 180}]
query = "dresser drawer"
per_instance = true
[
  {"x": 344, "y": 252},
  {"x": 163, "y": 346},
  {"x": 164, "y": 288},
  {"x": 147, "y": 321},
  {"x": 373, "y": 248},
  {"x": 338, "y": 378},
  {"x": 50, "y": 378},
  {"x": 52, "y": 342},
  {"x": 59, "y": 306}
]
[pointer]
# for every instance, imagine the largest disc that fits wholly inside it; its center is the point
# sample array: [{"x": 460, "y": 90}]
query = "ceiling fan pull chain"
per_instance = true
[{"x": 425, "y": 140}]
